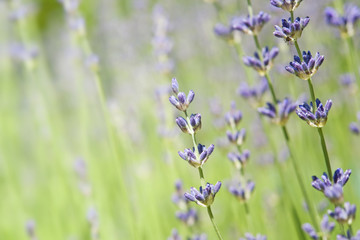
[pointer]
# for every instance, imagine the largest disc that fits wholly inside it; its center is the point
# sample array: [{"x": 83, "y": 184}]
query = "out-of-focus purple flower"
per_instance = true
[
  {"x": 189, "y": 217},
  {"x": 344, "y": 215},
  {"x": 30, "y": 229},
  {"x": 310, "y": 231},
  {"x": 253, "y": 94},
  {"x": 287, "y": 5},
  {"x": 249, "y": 236},
  {"x": 308, "y": 67},
  {"x": 242, "y": 193},
  {"x": 334, "y": 191},
  {"x": 354, "y": 128},
  {"x": 262, "y": 64},
  {"x": 224, "y": 32},
  {"x": 174, "y": 235},
  {"x": 199, "y": 237},
  {"x": 178, "y": 197},
  {"x": 346, "y": 23},
  {"x": 349, "y": 82},
  {"x": 317, "y": 119},
  {"x": 348, "y": 236},
  {"x": 181, "y": 102},
  {"x": 291, "y": 31},
  {"x": 234, "y": 116},
  {"x": 251, "y": 25},
  {"x": 193, "y": 158},
  {"x": 326, "y": 226},
  {"x": 238, "y": 137},
  {"x": 239, "y": 159},
  {"x": 280, "y": 117},
  {"x": 205, "y": 197}
]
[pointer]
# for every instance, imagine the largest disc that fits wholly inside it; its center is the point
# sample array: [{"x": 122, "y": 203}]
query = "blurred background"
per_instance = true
[{"x": 88, "y": 140}]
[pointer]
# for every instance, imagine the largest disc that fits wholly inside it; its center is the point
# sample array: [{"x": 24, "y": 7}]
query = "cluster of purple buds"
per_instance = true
[
  {"x": 249, "y": 236},
  {"x": 291, "y": 31},
  {"x": 308, "y": 67},
  {"x": 345, "y": 215},
  {"x": 317, "y": 119},
  {"x": 251, "y": 25},
  {"x": 326, "y": 228},
  {"x": 192, "y": 126},
  {"x": 253, "y": 94},
  {"x": 280, "y": 117},
  {"x": 334, "y": 192},
  {"x": 239, "y": 159},
  {"x": 354, "y": 127},
  {"x": 242, "y": 193},
  {"x": 205, "y": 196},
  {"x": 262, "y": 64},
  {"x": 199, "y": 237},
  {"x": 237, "y": 138},
  {"x": 345, "y": 23},
  {"x": 190, "y": 155},
  {"x": 178, "y": 197},
  {"x": 349, "y": 82},
  {"x": 287, "y": 5},
  {"x": 181, "y": 102},
  {"x": 348, "y": 236},
  {"x": 234, "y": 116},
  {"x": 224, "y": 32},
  {"x": 189, "y": 217},
  {"x": 174, "y": 235}
]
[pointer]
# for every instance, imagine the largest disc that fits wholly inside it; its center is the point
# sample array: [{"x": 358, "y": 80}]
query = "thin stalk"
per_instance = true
[
  {"x": 321, "y": 134},
  {"x": 350, "y": 230},
  {"x": 240, "y": 54},
  {"x": 353, "y": 57},
  {"x": 211, "y": 216},
  {"x": 250, "y": 10}
]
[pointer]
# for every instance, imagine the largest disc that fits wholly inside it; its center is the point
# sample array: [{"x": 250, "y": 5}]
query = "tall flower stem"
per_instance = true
[
  {"x": 211, "y": 216},
  {"x": 353, "y": 58},
  {"x": 320, "y": 131}
]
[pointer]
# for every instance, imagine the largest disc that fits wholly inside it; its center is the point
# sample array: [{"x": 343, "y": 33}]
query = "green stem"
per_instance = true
[
  {"x": 271, "y": 88},
  {"x": 201, "y": 175},
  {"x": 257, "y": 44},
  {"x": 353, "y": 57},
  {"x": 292, "y": 16},
  {"x": 250, "y": 10},
  {"x": 211, "y": 216},
  {"x": 350, "y": 230}
]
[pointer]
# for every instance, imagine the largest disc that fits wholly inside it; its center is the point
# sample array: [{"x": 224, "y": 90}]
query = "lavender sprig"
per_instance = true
[
  {"x": 291, "y": 31},
  {"x": 317, "y": 119},
  {"x": 251, "y": 25},
  {"x": 306, "y": 66},
  {"x": 264, "y": 63},
  {"x": 287, "y": 5},
  {"x": 286, "y": 107}
]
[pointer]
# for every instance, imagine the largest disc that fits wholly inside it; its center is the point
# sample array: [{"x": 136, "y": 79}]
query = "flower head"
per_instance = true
[
  {"x": 193, "y": 127},
  {"x": 242, "y": 193},
  {"x": 317, "y": 119},
  {"x": 178, "y": 197},
  {"x": 344, "y": 215},
  {"x": 192, "y": 158},
  {"x": 239, "y": 160},
  {"x": 307, "y": 68},
  {"x": 291, "y": 31},
  {"x": 354, "y": 128},
  {"x": 264, "y": 63},
  {"x": 174, "y": 235},
  {"x": 189, "y": 217},
  {"x": 181, "y": 102},
  {"x": 205, "y": 196},
  {"x": 199, "y": 237},
  {"x": 346, "y": 23},
  {"x": 234, "y": 116},
  {"x": 237, "y": 138},
  {"x": 280, "y": 117},
  {"x": 253, "y": 94},
  {"x": 251, "y": 25},
  {"x": 287, "y": 5},
  {"x": 224, "y": 32},
  {"x": 249, "y": 236},
  {"x": 348, "y": 236},
  {"x": 310, "y": 231}
]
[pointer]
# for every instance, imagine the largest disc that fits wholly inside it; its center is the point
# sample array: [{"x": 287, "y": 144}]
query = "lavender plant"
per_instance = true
[{"x": 197, "y": 156}]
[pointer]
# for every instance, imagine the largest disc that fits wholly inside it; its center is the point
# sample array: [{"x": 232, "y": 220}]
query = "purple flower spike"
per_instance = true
[
  {"x": 262, "y": 64},
  {"x": 344, "y": 215},
  {"x": 346, "y": 23},
  {"x": 205, "y": 196},
  {"x": 224, "y": 32},
  {"x": 253, "y": 94},
  {"x": 194, "y": 160},
  {"x": 308, "y": 67},
  {"x": 285, "y": 108},
  {"x": 181, "y": 102},
  {"x": 291, "y": 31},
  {"x": 239, "y": 160},
  {"x": 310, "y": 231},
  {"x": 249, "y": 236},
  {"x": 242, "y": 193},
  {"x": 251, "y": 25},
  {"x": 348, "y": 236},
  {"x": 286, "y": 5},
  {"x": 326, "y": 226},
  {"x": 234, "y": 116},
  {"x": 237, "y": 138},
  {"x": 319, "y": 119}
]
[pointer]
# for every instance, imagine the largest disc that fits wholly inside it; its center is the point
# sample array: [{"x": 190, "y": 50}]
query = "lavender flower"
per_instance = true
[
  {"x": 249, "y": 236},
  {"x": 348, "y": 236},
  {"x": 174, "y": 235},
  {"x": 326, "y": 226},
  {"x": 181, "y": 102},
  {"x": 251, "y": 25},
  {"x": 199, "y": 237},
  {"x": 344, "y": 215},
  {"x": 205, "y": 197},
  {"x": 237, "y": 138},
  {"x": 291, "y": 31},
  {"x": 178, "y": 197},
  {"x": 310, "y": 231},
  {"x": 239, "y": 160},
  {"x": 234, "y": 116},
  {"x": 30, "y": 229},
  {"x": 195, "y": 160},
  {"x": 242, "y": 193},
  {"x": 354, "y": 128},
  {"x": 346, "y": 23},
  {"x": 262, "y": 64},
  {"x": 333, "y": 192},
  {"x": 285, "y": 107},
  {"x": 308, "y": 67},
  {"x": 317, "y": 119},
  {"x": 189, "y": 217},
  {"x": 195, "y": 123},
  {"x": 287, "y": 5},
  {"x": 253, "y": 94},
  {"x": 224, "y": 32}
]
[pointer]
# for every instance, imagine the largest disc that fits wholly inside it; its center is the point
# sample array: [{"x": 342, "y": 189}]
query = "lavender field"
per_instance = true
[{"x": 192, "y": 120}]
